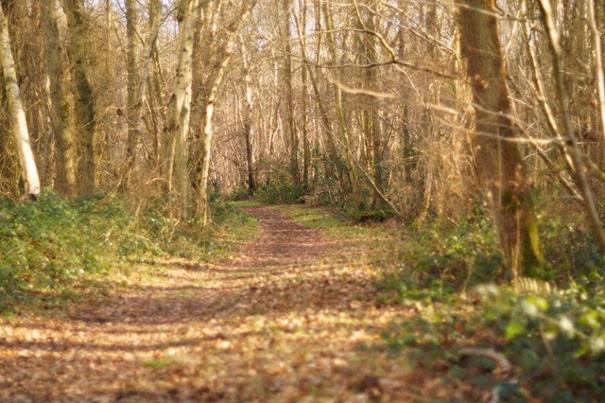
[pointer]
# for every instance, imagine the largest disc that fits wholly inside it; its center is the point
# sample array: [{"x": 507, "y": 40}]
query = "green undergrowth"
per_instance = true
[
  {"x": 53, "y": 250},
  {"x": 376, "y": 242},
  {"x": 336, "y": 223},
  {"x": 550, "y": 330},
  {"x": 279, "y": 191}
]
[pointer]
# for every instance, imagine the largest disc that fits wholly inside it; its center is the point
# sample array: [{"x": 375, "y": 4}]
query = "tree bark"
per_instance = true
[
  {"x": 179, "y": 109},
  {"x": 248, "y": 122},
  {"x": 17, "y": 112},
  {"x": 288, "y": 107},
  {"x": 61, "y": 117},
  {"x": 220, "y": 47},
  {"x": 499, "y": 162},
  {"x": 133, "y": 114},
  {"x": 84, "y": 105}
]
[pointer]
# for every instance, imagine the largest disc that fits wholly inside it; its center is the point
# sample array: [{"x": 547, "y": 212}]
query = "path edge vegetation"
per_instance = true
[
  {"x": 429, "y": 112},
  {"x": 498, "y": 338},
  {"x": 56, "y": 251}
]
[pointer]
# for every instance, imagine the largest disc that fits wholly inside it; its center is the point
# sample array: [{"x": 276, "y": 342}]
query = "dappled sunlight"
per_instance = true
[{"x": 286, "y": 315}]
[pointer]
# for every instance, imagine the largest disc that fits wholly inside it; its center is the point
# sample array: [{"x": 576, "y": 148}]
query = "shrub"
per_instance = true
[{"x": 49, "y": 246}]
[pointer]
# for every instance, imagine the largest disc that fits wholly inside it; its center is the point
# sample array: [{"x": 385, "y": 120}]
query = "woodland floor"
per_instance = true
[{"x": 291, "y": 316}]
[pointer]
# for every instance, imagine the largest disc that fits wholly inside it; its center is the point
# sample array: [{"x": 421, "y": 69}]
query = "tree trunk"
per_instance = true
[
  {"x": 248, "y": 122},
  {"x": 341, "y": 112},
  {"x": 304, "y": 111},
  {"x": 60, "y": 107},
  {"x": 288, "y": 107},
  {"x": 17, "y": 113},
  {"x": 84, "y": 105},
  {"x": 373, "y": 129},
  {"x": 133, "y": 113},
  {"x": 220, "y": 47},
  {"x": 176, "y": 131},
  {"x": 499, "y": 162}
]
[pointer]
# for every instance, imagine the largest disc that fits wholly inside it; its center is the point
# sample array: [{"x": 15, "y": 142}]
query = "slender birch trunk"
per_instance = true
[
  {"x": 17, "y": 112},
  {"x": 248, "y": 122}
]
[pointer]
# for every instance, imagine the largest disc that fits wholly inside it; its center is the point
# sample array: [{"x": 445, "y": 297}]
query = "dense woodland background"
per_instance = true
[{"x": 485, "y": 116}]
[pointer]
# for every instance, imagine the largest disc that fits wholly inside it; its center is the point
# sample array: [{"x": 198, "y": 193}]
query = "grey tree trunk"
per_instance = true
[
  {"x": 288, "y": 106},
  {"x": 61, "y": 114},
  {"x": 84, "y": 105},
  {"x": 176, "y": 146},
  {"x": 133, "y": 113},
  {"x": 248, "y": 122}
]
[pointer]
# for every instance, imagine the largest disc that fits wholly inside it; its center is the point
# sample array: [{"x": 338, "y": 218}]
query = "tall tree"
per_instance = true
[
  {"x": 60, "y": 106},
  {"x": 17, "y": 112},
  {"x": 84, "y": 97},
  {"x": 370, "y": 114},
  {"x": 179, "y": 107},
  {"x": 249, "y": 95},
  {"x": 288, "y": 103},
  {"x": 133, "y": 113},
  {"x": 217, "y": 41},
  {"x": 500, "y": 165}
]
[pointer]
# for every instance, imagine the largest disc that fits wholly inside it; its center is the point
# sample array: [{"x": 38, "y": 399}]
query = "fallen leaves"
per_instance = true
[{"x": 282, "y": 320}]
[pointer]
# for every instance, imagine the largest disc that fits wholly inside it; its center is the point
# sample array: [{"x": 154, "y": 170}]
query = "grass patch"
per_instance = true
[
  {"x": 374, "y": 243},
  {"x": 336, "y": 224},
  {"x": 160, "y": 363}
]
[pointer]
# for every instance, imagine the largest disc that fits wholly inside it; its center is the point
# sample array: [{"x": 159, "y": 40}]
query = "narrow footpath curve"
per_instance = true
[{"x": 277, "y": 322}]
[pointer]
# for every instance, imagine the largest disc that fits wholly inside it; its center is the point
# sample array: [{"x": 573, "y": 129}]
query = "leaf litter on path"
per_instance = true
[{"x": 285, "y": 319}]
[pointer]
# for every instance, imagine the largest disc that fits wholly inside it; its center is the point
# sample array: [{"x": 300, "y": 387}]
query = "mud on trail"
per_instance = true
[{"x": 287, "y": 317}]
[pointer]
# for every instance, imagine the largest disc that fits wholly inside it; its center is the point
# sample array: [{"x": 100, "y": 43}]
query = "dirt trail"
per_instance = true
[{"x": 278, "y": 322}]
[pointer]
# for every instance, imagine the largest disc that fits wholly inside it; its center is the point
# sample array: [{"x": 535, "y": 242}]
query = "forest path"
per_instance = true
[{"x": 287, "y": 317}]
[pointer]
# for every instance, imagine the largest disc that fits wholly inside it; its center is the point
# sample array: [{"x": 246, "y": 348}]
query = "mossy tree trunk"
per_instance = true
[
  {"x": 61, "y": 113},
  {"x": 84, "y": 105},
  {"x": 499, "y": 162}
]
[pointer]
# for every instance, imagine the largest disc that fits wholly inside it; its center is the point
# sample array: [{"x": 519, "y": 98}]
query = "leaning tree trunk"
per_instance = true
[
  {"x": 84, "y": 105},
  {"x": 220, "y": 48},
  {"x": 17, "y": 112},
  {"x": 60, "y": 108},
  {"x": 499, "y": 162},
  {"x": 202, "y": 168}
]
